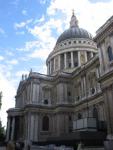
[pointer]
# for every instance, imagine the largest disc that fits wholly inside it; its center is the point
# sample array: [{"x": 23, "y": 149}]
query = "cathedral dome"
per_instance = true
[
  {"x": 74, "y": 47},
  {"x": 74, "y": 31}
]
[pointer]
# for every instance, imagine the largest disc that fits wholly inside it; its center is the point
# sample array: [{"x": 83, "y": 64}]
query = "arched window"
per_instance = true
[
  {"x": 45, "y": 123},
  {"x": 95, "y": 113},
  {"x": 110, "y": 53}
]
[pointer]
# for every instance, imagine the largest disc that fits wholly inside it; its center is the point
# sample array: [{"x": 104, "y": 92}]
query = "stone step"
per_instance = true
[
  {"x": 2, "y": 148},
  {"x": 92, "y": 148}
]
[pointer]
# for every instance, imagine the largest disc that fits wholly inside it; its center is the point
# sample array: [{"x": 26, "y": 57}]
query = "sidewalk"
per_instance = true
[{"x": 2, "y": 148}]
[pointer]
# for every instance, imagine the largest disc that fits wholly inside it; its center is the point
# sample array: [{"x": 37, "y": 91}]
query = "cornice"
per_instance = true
[
  {"x": 104, "y": 31},
  {"x": 105, "y": 76},
  {"x": 58, "y": 108}
]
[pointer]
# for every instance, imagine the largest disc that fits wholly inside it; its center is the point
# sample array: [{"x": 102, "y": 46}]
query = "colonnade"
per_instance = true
[
  {"x": 10, "y": 128},
  {"x": 66, "y": 60},
  {"x": 84, "y": 86},
  {"x": 14, "y": 124}
]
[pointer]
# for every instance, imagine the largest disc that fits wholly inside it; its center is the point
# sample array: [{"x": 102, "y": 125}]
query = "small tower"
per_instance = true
[{"x": 74, "y": 21}]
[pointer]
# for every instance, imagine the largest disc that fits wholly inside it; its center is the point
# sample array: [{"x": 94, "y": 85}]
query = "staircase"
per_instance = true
[
  {"x": 92, "y": 148},
  {"x": 81, "y": 147}
]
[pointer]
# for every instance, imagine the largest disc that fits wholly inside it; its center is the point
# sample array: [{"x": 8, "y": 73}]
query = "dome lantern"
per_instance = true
[
  {"x": 74, "y": 31},
  {"x": 74, "y": 21}
]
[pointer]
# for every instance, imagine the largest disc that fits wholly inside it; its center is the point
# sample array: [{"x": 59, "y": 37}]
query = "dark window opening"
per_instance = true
[
  {"x": 75, "y": 64},
  {"x": 70, "y": 118},
  {"x": 78, "y": 98},
  {"x": 93, "y": 90},
  {"x": 69, "y": 93},
  {"x": 110, "y": 53},
  {"x": 45, "y": 101},
  {"x": 69, "y": 64},
  {"x": 45, "y": 123},
  {"x": 95, "y": 113},
  {"x": 79, "y": 116}
]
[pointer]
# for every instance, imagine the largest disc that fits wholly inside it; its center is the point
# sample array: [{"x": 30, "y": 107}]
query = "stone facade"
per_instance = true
[{"x": 78, "y": 85}]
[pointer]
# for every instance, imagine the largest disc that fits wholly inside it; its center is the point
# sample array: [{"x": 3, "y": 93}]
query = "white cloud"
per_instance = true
[
  {"x": 2, "y": 31},
  {"x": 42, "y": 19},
  {"x": 20, "y": 33},
  {"x": 1, "y": 58},
  {"x": 20, "y": 73},
  {"x": 41, "y": 69},
  {"x": 24, "y": 12},
  {"x": 43, "y": 1},
  {"x": 90, "y": 15},
  {"x": 9, "y": 92},
  {"x": 13, "y": 62},
  {"x": 40, "y": 53},
  {"x": 30, "y": 45},
  {"x": 15, "y": 2},
  {"x": 22, "y": 24},
  {"x": 3, "y": 69},
  {"x": 9, "y": 53}
]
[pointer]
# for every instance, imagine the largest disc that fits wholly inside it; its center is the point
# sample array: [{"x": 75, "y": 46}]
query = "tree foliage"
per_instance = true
[{"x": 2, "y": 132}]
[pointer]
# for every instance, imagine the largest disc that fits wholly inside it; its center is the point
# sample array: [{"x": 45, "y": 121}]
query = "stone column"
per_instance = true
[
  {"x": 85, "y": 56},
  {"x": 79, "y": 61},
  {"x": 28, "y": 126},
  {"x": 72, "y": 61},
  {"x": 65, "y": 60},
  {"x": 108, "y": 99},
  {"x": 82, "y": 87},
  {"x": 31, "y": 129},
  {"x": 36, "y": 132},
  {"x": 97, "y": 75},
  {"x": 85, "y": 89},
  {"x": 59, "y": 62},
  {"x": 60, "y": 93},
  {"x": 31, "y": 92},
  {"x": 28, "y": 130},
  {"x": 50, "y": 67},
  {"x": 91, "y": 54},
  {"x": 54, "y": 64},
  {"x": 8, "y": 129},
  {"x": 13, "y": 128}
]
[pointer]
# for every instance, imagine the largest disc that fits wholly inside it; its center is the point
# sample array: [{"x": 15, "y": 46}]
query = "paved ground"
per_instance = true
[{"x": 2, "y": 148}]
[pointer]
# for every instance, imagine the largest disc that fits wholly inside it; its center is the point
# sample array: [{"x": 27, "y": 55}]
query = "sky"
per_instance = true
[{"x": 28, "y": 33}]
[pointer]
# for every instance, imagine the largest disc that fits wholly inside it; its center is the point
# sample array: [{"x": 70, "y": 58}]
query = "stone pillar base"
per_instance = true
[{"x": 108, "y": 145}]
